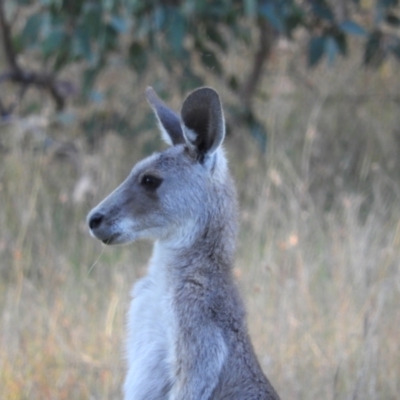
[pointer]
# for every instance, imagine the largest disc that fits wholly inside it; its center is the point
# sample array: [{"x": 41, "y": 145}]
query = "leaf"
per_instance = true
[
  {"x": 270, "y": 12},
  {"x": 176, "y": 30},
  {"x": 119, "y": 24},
  {"x": 316, "y": 48},
  {"x": 250, "y": 8},
  {"x": 53, "y": 41},
  {"x": 92, "y": 20},
  {"x": 352, "y": 28},
  {"x": 159, "y": 18},
  {"x": 322, "y": 10},
  {"x": 331, "y": 49},
  {"x": 32, "y": 28},
  {"x": 81, "y": 43},
  {"x": 144, "y": 26}
]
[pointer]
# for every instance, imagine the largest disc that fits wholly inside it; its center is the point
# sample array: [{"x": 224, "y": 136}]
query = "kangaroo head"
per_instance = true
[{"x": 170, "y": 194}]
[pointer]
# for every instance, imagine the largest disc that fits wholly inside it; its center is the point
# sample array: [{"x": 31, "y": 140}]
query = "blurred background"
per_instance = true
[{"x": 311, "y": 92}]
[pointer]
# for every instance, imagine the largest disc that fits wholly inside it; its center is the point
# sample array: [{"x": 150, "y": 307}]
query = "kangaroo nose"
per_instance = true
[{"x": 95, "y": 221}]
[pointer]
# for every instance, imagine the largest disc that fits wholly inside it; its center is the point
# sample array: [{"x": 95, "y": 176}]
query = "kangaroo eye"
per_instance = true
[{"x": 151, "y": 182}]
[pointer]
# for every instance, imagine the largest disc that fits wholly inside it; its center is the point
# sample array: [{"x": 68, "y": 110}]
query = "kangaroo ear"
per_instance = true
[
  {"x": 168, "y": 120},
  {"x": 203, "y": 122}
]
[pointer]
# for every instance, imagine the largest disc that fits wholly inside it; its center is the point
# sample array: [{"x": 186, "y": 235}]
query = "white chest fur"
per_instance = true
[{"x": 150, "y": 345}]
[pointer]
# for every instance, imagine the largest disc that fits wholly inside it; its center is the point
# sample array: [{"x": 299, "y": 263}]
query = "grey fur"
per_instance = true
[{"x": 187, "y": 333}]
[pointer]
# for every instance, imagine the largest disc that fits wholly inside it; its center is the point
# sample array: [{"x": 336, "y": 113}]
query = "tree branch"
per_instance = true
[
  {"x": 7, "y": 43},
  {"x": 265, "y": 43},
  {"x": 57, "y": 89}
]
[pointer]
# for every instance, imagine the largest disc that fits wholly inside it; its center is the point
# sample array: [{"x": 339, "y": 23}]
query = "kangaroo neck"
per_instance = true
[{"x": 204, "y": 249}]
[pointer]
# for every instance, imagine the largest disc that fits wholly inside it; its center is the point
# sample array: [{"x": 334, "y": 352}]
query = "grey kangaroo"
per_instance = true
[{"x": 187, "y": 333}]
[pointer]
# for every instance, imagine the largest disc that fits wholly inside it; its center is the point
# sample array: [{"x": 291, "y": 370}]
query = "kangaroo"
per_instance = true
[{"x": 187, "y": 332}]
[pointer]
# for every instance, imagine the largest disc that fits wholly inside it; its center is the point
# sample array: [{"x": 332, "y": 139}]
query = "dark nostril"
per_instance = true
[{"x": 95, "y": 221}]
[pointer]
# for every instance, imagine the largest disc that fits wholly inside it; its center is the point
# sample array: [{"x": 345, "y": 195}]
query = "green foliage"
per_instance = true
[
  {"x": 178, "y": 34},
  {"x": 174, "y": 32},
  {"x": 331, "y": 36}
]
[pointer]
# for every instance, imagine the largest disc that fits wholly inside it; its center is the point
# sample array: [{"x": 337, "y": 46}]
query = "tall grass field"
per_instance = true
[{"x": 318, "y": 254}]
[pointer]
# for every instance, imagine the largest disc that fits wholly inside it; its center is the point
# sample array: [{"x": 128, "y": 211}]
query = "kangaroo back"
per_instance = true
[{"x": 187, "y": 332}]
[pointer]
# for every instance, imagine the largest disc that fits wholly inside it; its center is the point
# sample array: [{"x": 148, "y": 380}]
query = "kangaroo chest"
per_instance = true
[{"x": 151, "y": 323}]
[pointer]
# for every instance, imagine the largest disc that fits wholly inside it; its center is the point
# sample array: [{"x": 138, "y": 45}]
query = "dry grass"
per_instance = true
[
  {"x": 318, "y": 259},
  {"x": 323, "y": 295}
]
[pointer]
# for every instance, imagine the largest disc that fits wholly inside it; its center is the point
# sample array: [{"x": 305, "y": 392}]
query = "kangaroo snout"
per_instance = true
[
  {"x": 99, "y": 229},
  {"x": 95, "y": 220}
]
